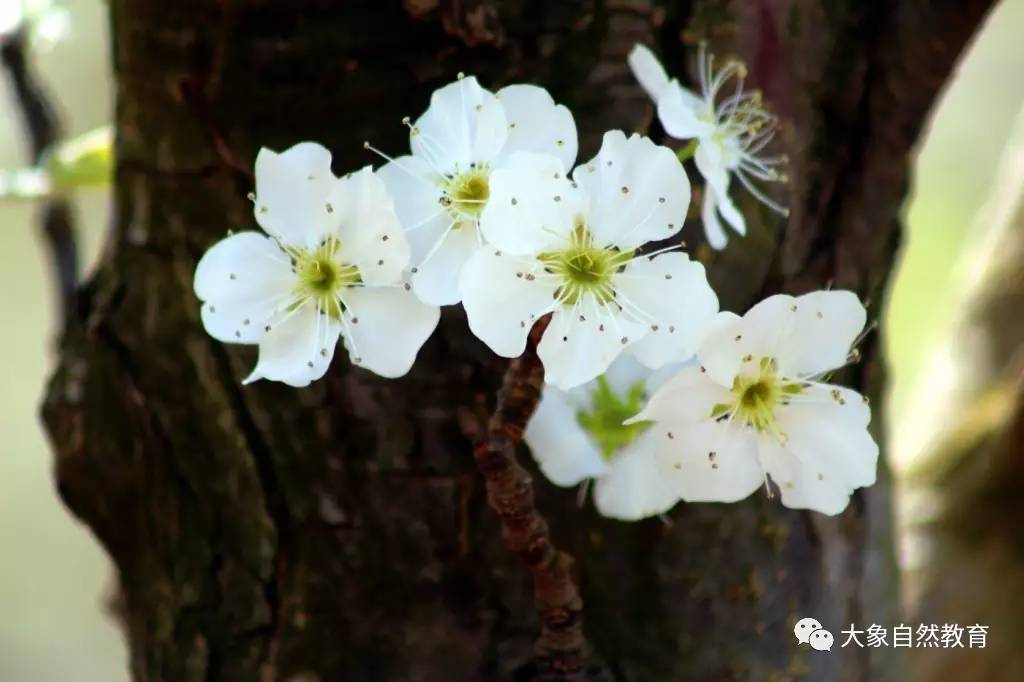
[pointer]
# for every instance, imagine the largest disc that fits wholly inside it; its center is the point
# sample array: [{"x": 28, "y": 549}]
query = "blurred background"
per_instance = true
[{"x": 948, "y": 403}]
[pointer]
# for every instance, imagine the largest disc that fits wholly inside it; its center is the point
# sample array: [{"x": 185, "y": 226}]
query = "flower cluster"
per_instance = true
[{"x": 650, "y": 390}]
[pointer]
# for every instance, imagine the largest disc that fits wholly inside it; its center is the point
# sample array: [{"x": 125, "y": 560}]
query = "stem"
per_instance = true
[
  {"x": 561, "y": 648},
  {"x": 689, "y": 150}
]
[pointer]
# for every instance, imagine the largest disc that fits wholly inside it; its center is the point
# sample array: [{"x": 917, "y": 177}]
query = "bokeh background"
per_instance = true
[{"x": 54, "y": 578}]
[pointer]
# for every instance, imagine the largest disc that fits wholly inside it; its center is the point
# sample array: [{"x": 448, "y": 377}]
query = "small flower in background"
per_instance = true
[
  {"x": 331, "y": 266},
  {"x": 568, "y": 247},
  {"x": 441, "y": 189},
  {"x": 729, "y": 135},
  {"x": 756, "y": 407},
  {"x": 578, "y": 435}
]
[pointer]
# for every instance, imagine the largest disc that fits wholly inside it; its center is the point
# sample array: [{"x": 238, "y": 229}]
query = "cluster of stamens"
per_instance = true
[
  {"x": 743, "y": 126},
  {"x": 323, "y": 275},
  {"x": 755, "y": 397},
  {"x": 465, "y": 193},
  {"x": 584, "y": 268}
]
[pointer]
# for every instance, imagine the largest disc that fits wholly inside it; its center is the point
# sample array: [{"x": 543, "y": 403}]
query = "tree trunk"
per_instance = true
[{"x": 341, "y": 532}]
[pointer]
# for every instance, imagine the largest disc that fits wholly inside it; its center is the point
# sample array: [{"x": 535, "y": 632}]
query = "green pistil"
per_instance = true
[
  {"x": 607, "y": 412},
  {"x": 323, "y": 276},
  {"x": 584, "y": 268},
  {"x": 466, "y": 194}
]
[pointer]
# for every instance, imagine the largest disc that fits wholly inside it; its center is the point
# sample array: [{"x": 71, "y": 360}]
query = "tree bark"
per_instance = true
[{"x": 341, "y": 532}]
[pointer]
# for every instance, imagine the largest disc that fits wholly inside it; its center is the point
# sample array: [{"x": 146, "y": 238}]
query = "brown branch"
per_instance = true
[
  {"x": 43, "y": 130},
  {"x": 561, "y": 648}
]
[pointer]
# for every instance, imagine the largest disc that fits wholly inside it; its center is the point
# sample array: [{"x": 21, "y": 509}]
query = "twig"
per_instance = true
[
  {"x": 43, "y": 130},
  {"x": 561, "y": 647}
]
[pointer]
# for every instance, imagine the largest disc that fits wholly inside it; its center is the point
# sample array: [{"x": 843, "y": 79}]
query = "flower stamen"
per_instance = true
[
  {"x": 323, "y": 274},
  {"x": 584, "y": 268}
]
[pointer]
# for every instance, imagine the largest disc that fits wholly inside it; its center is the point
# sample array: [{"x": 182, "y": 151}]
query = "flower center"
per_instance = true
[
  {"x": 323, "y": 276},
  {"x": 755, "y": 398},
  {"x": 607, "y": 412},
  {"x": 584, "y": 268},
  {"x": 465, "y": 194}
]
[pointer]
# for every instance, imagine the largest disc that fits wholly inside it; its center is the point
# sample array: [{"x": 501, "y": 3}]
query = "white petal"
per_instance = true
[
  {"x": 625, "y": 373},
  {"x": 436, "y": 277},
  {"x": 537, "y": 124},
  {"x": 826, "y": 325},
  {"x": 799, "y": 484},
  {"x": 562, "y": 448},
  {"x": 635, "y": 486},
  {"x": 731, "y": 214},
  {"x": 464, "y": 124},
  {"x": 532, "y": 205},
  {"x": 242, "y": 279},
  {"x": 637, "y": 191},
  {"x": 502, "y": 302},
  {"x": 720, "y": 352},
  {"x": 765, "y": 331},
  {"x": 688, "y": 397},
  {"x": 830, "y": 425},
  {"x": 709, "y": 159},
  {"x": 806, "y": 335},
  {"x": 648, "y": 71},
  {"x": 659, "y": 377},
  {"x": 371, "y": 235},
  {"x": 575, "y": 350},
  {"x": 292, "y": 190},
  {"x": 713, "y": 230},
  {"x": 386, "y": 327},
  {"x": 298, "y": 348},
  {"x": 709, "y": 461},
  {"x": 671, "y": 294},
  {"x": 678, "y": 111},
  {"x": 415, "y": 190}
]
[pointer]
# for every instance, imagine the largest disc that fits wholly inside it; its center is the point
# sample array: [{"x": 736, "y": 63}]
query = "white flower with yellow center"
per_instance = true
[
  {"x": 441, "y": 189},
  {"x": 729, "y": 134},
  {"x": 756, "y": 407},
  {"x": 331, "y": 266},
  {"x": 578, "y": 435},
  {"x": 569, "y": 248}
]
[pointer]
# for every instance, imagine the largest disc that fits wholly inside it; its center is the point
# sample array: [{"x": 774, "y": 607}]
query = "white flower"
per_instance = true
[
  {"x": 441, "y": 189},
  {"x": 569, "y": 248},
  {"x": 756, "y": 407},
  {"x": 729, "y": 134},
  {"x": 578, "y": 435},
  {"x": 332, "y": 265}
]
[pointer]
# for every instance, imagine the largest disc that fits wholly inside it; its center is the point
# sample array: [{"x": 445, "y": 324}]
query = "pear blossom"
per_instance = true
[
  {"x": 569, "y": 247},
  {"x": 578, "y": 435},
  {"x": 756, "y": 407},
  {"x": 441, "y": 189},
  {"x": 729, "y": 134},
  {"x": 329, "y": 264}
]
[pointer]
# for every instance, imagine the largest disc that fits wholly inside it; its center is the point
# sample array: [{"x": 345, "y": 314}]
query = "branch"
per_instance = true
[
  {"x": 43, "y": 130},
  {"x": 561, "y": 647}
]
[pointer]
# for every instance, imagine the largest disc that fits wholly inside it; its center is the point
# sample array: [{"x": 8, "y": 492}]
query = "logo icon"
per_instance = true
[
  {"x": 809, "y": 631},
  {"x": 804, "y": 628},
  {"x": 821, "y": 640}
]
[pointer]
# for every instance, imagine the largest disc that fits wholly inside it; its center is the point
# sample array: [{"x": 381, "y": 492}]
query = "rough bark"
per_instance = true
[{"x": 341, "y": 532}]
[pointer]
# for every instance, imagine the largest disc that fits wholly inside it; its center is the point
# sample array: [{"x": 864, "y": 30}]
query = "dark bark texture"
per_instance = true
[{"x": 342, "y": 532}]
